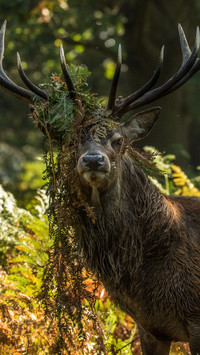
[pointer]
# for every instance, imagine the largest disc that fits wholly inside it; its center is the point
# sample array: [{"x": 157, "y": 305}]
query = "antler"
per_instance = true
[
  {"x": 7, "y": 84},
  {"x": 190, "y": 65},
  {"x": 28, "y": 83},
  {"x": 113, "y": 90},
  {"x": 66, "y": 75}
]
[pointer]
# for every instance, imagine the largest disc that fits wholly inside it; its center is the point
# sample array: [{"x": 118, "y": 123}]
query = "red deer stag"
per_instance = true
[{"x": 144, "y": 245}]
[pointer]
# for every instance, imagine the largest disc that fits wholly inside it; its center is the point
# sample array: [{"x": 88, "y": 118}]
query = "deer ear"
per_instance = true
[{"x": 138, "y": 126}]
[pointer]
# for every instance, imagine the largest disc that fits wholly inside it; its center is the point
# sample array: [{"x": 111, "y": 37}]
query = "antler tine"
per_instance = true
[
  {"x": 186, "y": 52},
  {"x": 6, "y": 83},
  {"x": 192, "y": 71},
  {"x": 169, "y": 85},
  {"x": 28, "y": 83},
  {"x": 68, "y": 80},
  {"x": 2, "y": 36},
  {"x": 113, "y": 90},
  {"x": 131, "y": 98}
]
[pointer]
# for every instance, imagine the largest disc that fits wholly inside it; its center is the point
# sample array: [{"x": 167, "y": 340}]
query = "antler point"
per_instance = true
[
  {"x": 62, "y": 54},
  {"x": 197, "y": 42},
  {"x": 18, "y": 59},
  {"x": 3, "y": 28},
  {"x": 162, "y": 53},
  {"x": 119, "y": 54}
]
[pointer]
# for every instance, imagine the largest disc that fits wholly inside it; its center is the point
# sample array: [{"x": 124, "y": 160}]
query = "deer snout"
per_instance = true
[
  {"x": 93, "y": 161},
  {"x": 93, "y": 167}
]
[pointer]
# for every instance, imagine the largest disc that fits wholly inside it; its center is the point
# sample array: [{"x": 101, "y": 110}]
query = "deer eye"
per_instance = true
[{"x": 115, "y": 139}]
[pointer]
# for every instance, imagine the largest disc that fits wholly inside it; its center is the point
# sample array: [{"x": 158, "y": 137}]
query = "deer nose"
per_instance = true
[{"x": 93, "y": 161}]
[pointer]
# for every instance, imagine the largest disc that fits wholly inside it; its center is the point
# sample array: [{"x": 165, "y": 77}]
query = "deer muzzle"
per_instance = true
[{"x": 93, "y": 167}]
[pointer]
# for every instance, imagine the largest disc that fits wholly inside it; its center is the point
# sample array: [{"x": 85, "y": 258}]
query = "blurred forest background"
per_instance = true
[{"x": 90, "y": 32}]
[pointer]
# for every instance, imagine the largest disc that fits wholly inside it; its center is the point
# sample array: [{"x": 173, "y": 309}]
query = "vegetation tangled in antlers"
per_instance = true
[{"x": 63, "y": 122}]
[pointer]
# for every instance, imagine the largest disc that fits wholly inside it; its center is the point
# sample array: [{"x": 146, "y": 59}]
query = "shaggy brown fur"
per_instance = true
[{"x": 145, "y": 247}]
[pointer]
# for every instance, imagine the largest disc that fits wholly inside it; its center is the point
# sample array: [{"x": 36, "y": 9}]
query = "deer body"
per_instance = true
[{"x": 145, "y": 246}]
